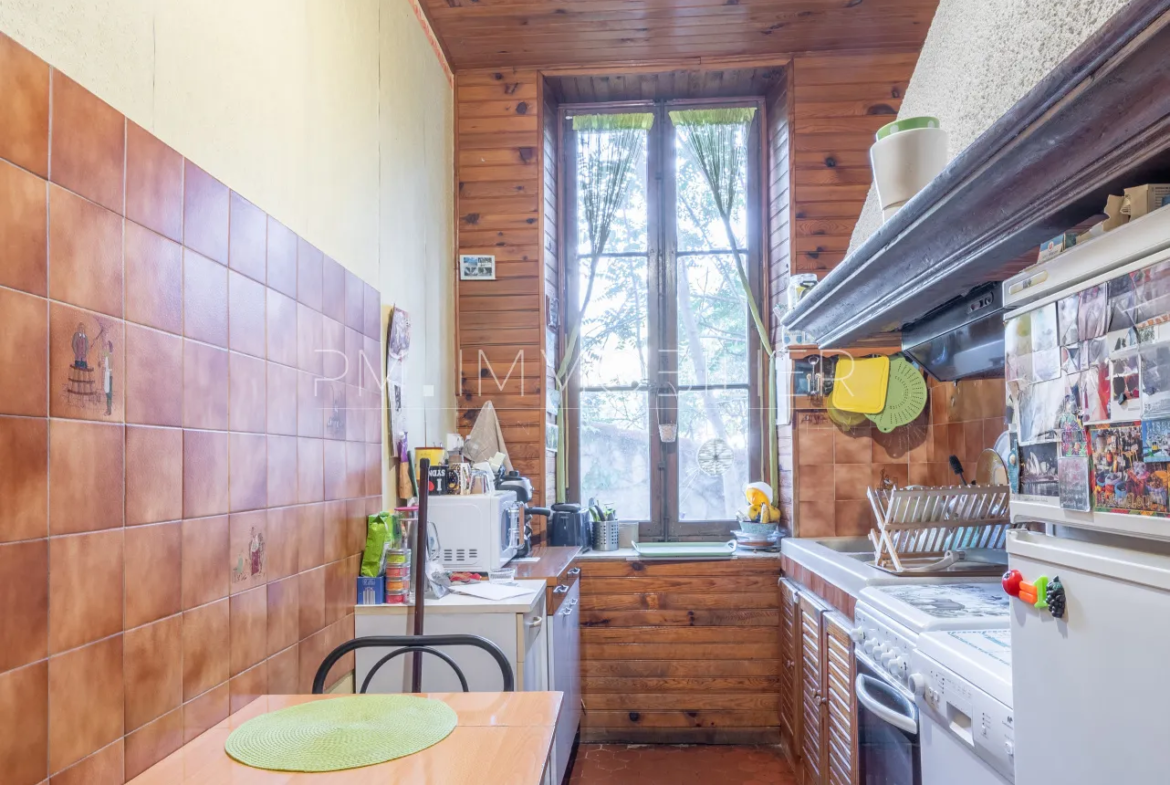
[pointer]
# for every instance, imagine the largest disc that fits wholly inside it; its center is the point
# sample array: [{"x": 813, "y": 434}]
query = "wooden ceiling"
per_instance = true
[
  {"x": 691, "y": 83},
  {"x": 566, "y": 33}
]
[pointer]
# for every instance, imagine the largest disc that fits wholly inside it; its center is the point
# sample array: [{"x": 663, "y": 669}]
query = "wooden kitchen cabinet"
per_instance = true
[
  {"x": 840, "y": 728},
  {"x": 813, "y": 749},
  {"x": 790, "y": 714}
]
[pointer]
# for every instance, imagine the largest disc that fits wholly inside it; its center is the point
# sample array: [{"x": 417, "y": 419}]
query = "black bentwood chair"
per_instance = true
[{"x": 414, "y": 643}]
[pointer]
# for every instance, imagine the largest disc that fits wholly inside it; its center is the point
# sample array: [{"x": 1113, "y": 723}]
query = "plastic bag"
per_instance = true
[{"x": 379, "y": 536}]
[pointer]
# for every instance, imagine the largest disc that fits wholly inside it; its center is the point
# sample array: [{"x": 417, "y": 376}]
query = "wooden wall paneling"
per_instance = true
[
  {"x": 500, "y": 323},
  {"x": 550, "y": 269},
  {"x": 680, "y": 652}
]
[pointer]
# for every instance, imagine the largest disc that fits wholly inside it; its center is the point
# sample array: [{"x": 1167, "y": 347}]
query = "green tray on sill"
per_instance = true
[{"x": 685, "y": 550}]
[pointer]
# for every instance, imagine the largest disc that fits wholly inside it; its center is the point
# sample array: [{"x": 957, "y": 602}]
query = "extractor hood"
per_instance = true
[{"x": 961, "y": 340}]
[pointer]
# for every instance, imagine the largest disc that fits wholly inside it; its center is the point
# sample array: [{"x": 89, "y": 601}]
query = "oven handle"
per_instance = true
[{"x": 907, "y": 722}]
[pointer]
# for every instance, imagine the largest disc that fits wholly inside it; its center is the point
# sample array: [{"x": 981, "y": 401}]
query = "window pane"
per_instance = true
[
  {"x": 615, "y": 452},
  {"x": 615, "y": 329},
  {"x": 712, "y": 322},
  {"x": 700, "y": 224},
  {"x": 713, "y": 453}
]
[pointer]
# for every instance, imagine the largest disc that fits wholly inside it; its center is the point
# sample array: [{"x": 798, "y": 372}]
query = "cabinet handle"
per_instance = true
[
  {"x": 575, "y": 571},
  {"x": 535, "y": 622},
  {"x": 562, "y": 589}
]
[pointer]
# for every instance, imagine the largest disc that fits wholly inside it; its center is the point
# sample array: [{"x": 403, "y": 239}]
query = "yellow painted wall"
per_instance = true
[{"x": 335, "y": 116}]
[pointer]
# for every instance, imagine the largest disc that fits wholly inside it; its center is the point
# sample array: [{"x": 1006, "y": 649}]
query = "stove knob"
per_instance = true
[
  {"x": 897, "y": 666},
  {"x": 888, "y": 658},
  {"x": 1010, "y": 748},
  {"x": 917, "y": 683},
  {"x": 857, "y": 634}
]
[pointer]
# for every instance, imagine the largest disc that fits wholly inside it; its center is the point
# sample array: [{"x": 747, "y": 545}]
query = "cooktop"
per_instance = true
[{"x": 936, "y": 606}]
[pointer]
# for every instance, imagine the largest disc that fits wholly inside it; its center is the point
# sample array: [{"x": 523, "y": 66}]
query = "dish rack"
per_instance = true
[{"x": 928, "y": 527}]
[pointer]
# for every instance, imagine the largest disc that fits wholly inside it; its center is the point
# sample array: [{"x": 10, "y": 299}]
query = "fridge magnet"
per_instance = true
[
  {"x": 1044, "y": 328},
  {"x": 1066, "y": 318},
  {"x": 1073, "y": 479},
  {"x": 1091, "y": 312},
  {"x": 1124, "y": 390},
  {"x": 1155, "y": 380},
  {"x": 1074, "y": 443},
  {"x": 1156, "y": 441},
  {"x": 1013, "y": 463},
  {"x": 1122, "y": 303},
  {"x": 1038, "y": 475},
  {"x": 477, "y": 267}
]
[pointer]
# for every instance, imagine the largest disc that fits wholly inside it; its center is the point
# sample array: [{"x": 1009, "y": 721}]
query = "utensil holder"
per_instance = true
[{"x": 606, "y": 535}]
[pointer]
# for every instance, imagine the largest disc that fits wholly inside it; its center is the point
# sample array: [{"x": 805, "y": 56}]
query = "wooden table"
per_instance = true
[{"x": 501, "y": 738}]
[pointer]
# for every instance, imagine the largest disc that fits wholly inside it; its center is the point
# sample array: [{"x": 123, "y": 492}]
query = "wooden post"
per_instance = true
[{"x": 418, "y": 564}]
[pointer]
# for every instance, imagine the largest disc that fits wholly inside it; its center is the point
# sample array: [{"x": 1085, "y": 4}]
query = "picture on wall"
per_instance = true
[
  {"x": 477, "y": 267},
  {"x": 1156, "y": 441},
  {"x": 1038, "y": 470}
]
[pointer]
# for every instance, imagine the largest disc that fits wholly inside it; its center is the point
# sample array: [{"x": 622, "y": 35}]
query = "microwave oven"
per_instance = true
[{"x": 474, "y": 532}]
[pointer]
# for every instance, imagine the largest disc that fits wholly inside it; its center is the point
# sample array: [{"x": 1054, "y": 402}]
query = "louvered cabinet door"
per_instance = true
[
  {"x": 812, "y": 691},
  {"x": 840, "y": 720},
  {"x": 790, "y": 665}
]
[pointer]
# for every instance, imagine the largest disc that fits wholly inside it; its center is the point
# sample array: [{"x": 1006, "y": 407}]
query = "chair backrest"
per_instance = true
[{"x": 414, "y": 643}]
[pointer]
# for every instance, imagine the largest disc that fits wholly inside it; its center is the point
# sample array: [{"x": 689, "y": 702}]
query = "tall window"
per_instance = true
[{"x": 662, "y": 393}]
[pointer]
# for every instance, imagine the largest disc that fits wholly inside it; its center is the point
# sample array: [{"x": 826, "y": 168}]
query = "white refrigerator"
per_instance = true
[{"x": 1089, "y": 681}]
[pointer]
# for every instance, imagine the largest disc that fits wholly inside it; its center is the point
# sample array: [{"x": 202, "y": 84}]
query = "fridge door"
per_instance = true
[{"x": 1090, "y": 691}]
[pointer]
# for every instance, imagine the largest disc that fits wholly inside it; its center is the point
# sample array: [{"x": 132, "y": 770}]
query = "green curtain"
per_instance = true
[
  {"x": 712, "y": 137},
  {"x": 607, "y": 148}
]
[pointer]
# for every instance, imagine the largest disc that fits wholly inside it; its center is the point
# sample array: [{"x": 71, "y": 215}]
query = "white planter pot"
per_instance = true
[{"x": 904, "y": 161}]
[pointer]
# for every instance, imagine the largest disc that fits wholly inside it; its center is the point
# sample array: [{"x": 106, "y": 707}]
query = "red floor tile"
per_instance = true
[{"x": 620, "y": 764}]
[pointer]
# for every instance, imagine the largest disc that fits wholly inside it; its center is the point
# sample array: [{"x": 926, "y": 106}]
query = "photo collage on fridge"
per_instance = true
[{"x": 1088, "y": 396}]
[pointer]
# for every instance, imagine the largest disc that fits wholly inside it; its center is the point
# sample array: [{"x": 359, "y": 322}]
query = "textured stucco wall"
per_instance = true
[
  {"x": 980, "y": 57},
  {"x": 335, "y": 116}
]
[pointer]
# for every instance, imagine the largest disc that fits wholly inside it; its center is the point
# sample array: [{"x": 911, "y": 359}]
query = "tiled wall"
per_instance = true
[
  {"x": 181, "y": 503},
  {"x": 834, "y": 467}
]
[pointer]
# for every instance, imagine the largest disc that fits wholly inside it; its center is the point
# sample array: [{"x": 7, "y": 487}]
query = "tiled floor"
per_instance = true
[{"x": 620, "y": 764}]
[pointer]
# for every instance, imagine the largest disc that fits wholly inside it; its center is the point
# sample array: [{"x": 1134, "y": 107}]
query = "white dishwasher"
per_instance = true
[{"x": 564, "y": 656}]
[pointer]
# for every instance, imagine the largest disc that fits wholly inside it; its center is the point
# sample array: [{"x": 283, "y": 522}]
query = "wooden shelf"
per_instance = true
[{"x": 1099, "y": 122}]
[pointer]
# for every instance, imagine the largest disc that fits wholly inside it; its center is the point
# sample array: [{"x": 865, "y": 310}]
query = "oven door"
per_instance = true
[{"x": 887, "y": 731}]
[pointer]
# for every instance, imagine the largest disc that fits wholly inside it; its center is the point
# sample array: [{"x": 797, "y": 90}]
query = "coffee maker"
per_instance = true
[{"x": 522, "y": 487}]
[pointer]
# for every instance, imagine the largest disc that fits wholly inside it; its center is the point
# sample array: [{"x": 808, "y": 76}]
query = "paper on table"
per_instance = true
[{"x": 489, "y": 591}]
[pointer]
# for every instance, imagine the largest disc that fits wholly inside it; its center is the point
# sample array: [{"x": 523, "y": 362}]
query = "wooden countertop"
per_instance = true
[
  {"x": 555, "y": 560},
  {"x": 501, "y": 738}
]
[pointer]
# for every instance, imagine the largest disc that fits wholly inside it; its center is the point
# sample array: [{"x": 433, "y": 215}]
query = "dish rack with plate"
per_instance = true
[{"x": 921, "y": 530}]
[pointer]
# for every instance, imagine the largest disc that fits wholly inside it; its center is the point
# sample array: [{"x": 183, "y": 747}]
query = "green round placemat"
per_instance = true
[{"x": 341, "y": 733}]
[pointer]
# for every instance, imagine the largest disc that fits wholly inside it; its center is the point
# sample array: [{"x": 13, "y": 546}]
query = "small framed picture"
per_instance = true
[{"x": 477, "y": 267}]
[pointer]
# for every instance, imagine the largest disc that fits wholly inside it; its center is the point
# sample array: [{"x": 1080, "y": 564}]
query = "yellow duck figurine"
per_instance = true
[{"x": 760, "y": 508}]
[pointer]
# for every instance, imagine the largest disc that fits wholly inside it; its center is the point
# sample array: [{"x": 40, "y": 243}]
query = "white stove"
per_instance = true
[
  {"x": 967, "y": 725},
  {"x": 890, "y": 619}
]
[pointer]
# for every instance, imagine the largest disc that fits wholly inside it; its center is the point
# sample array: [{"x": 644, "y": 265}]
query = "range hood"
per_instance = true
[{"x": 961, "y": 340}]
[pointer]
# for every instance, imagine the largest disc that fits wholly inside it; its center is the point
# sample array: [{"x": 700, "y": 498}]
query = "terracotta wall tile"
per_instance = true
[
  {"x": 88, "y": 141},
  {"x": 370, "y": 374},
  {"x": 250, "y": 548},
  {"x": 309, "y": 340},
  {"x": 851, "y": 480},
  {"x": 154, "y": 571},
  {"x": 205, "y": 473},
  {"x": 374, "y": 426},
  {"x": 85, "y": 588},
  {"x": 154, "y": 183},
  {"x": 310, "y": 418},
  {"x": 153, "y": 671},
  {"x": 85, "y": 253},
  {"x": 205, "y": 386},
  {"x": 816, "y": 483},
  {"x": 339, "y": 589},
  {"x": 884, "y": 474},
  {"x": 24, "y": 704},
  {"x": 24, "y": 478},
  {"x": 372, "y": 313},
  {"x": 205, "y": 214},
  {"x": 311, "y": 595},
  {"x": 248, "y": 471},
  {"x": 205, "y": 574},
  {"x": 23, "y": 237},
  {"x": 248, "y": 393},
  {"x": 246, "y": 315},
  {"x": 248, "y": 686},
  {"x": 205, "y": 711},
  {"x": 282, "y": 258},
  {"x": 311, "y": 536},
  {"x": 86, "y": 701},
  {"x": 104, "y": 767},
  {"x": 355, "y": 302},
  {"x": 335, "y": 472},
  {"x": 373, "y": 472},
  {"x": 355, "y": 469},
  {"x": 284, "y": 536},
  {"x": 86, "y": 365},
  {"x": 356, "y": 524},
  {"x": 205, "y": 655},
  {"x": 853, "y": 518},
  {"x": 205, "y": 300},
  {"x": 815, "y": 447},
  {"x": 854, "y": 446},
  {"x": 310, "y": 471},
  {"x": 24, "y": 605},
  {"x": 284, "y": 671},
  {"x": 333, "y": 409},
  {"x": 282, "y": 470},
  {"x": 335, "y": 532},
  {"x": 153, "y": 742},
  {"x": 282, "y": 399},
  {"x": 282, "y": 329},
  {"x": 153, "y": 475},
  {"x": 154, "y": 279},
  {"x": 86, "y": 471},
  {"x": 817, "y": 519},
  {"x": 333, "y": 290},
  {"x": 332, "y": 350},
  {"x": 309, "y": 275},
  {"x": 313, "y": 650},
  {"x": 284, "y": 611},
  {"x": 154, "y": 377},
  {"x": 247, "y": 238},
  {"x": 356, "y": 416},
  {"x": 249, "y": 629},
  {"x": 24, "y": 83},
  {"x": 354, "y": 349}
]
